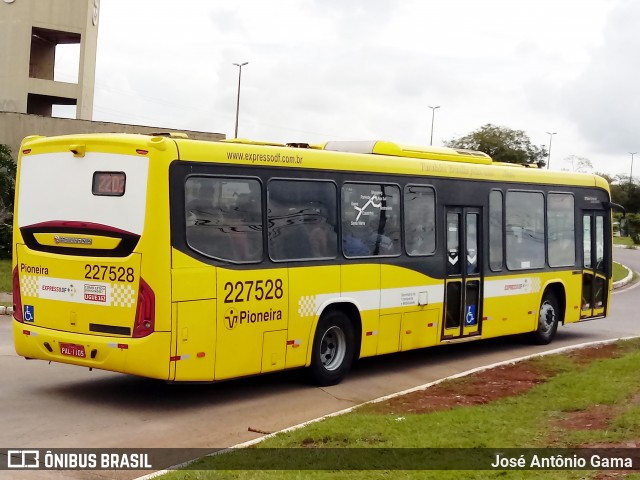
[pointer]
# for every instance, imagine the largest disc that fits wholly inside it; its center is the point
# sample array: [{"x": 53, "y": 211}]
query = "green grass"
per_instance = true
[
  {"x": 623, "y": 241},
  {"x": 528, "y": 420},
  {"x": 5, "y": 275},
  {"x": 619, "y": 272}
]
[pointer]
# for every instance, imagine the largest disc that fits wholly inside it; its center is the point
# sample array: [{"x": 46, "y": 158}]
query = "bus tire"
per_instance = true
[
  {"x": 333, "y": 349},
  {"x": 548, "y": 319}
]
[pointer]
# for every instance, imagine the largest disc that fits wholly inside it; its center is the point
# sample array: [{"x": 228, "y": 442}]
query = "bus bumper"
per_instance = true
[{"x": 147, "y": 356}]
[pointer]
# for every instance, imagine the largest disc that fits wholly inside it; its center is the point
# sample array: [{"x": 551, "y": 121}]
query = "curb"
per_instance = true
[{"x": 626, "y": 280}]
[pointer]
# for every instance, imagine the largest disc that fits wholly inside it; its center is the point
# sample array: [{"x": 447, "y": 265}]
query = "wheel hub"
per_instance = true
[
  {"x": 333, "y": 348},
  {"x": 547, "y": 316}
]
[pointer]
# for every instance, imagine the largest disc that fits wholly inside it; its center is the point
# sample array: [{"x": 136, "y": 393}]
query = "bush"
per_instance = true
[
  {"x": 6, "y": 234},
  {"x": 633, "y": 226},
  {"x": 7, "y": 189}
]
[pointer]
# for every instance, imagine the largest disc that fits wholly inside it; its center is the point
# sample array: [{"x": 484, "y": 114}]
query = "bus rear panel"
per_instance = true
[{"x": 79, "y": 290}]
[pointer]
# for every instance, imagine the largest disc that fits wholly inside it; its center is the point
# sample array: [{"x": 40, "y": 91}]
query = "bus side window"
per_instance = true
[
  {"x": 322, "y": 235},
  {"x": 561, "y": 230},
  {"x": 301, "y": 218},
  {"x": 419, "y": 220},
  {"x": 242, "y": 220},
  {"x": 224, "y": 218},
  {"x": 495, "y": 230},
  {"x": 370, "y": 220},
  {"x": 525, "y": 230}
]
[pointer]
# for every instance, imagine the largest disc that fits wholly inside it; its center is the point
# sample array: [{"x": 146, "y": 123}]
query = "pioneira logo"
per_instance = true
[
  {"x": 233, "y": 317},
  {"x": 72, "y": 240}
]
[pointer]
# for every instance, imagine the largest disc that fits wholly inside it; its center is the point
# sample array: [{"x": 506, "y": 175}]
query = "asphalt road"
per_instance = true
[{"x": 59, "y": 406}]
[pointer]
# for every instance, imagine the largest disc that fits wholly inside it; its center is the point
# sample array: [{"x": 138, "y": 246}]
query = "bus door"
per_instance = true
[
  {"x": 463, "y": 291},
  {"x": 594, "y": 271}
]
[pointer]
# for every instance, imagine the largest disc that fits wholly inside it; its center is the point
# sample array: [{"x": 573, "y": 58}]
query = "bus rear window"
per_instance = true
[{"x": 110, "y": 184}]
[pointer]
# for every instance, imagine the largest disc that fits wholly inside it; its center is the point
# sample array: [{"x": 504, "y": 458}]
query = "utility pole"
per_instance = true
[
  {"x": 551, "y": 134},
  {"x": 433, "y": 114},
  {"x": 239, "y": 65}
]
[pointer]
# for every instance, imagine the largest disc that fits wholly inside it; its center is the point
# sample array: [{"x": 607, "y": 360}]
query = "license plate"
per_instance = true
[{"x": 72, "y": 350}]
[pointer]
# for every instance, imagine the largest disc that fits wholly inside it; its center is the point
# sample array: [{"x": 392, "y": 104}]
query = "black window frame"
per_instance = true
[
  {"x": 266, "y": 226},
  {"x": 547, "y": 233},
  {"x": 544, "y": 233},
  {"x": 372, "y": 182},
  {"x": 262, "y": 216},
  {"x": 501, "y": 232},
  {"x": 404, "y": 223}
]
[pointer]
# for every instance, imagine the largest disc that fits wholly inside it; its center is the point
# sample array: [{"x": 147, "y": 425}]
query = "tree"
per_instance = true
[
  {"x": 7, "y": 188},
  {"x": 624, "y": 192},
  {"x": 633, "y": 197},
  {"x": 502, "y": 144},
  {"x": 633, "y": 222},
  {"x": 607, "y": 176},
  {"x": 578, "y": 164}
]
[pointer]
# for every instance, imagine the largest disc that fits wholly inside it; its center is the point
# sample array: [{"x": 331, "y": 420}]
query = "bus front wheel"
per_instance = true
[
  {"x": 333, "y": 349},
  {"x": 548, "y": 319}
]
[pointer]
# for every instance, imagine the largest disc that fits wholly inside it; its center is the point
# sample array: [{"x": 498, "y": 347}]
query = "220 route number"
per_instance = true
[{"x": 253, "y": 290}]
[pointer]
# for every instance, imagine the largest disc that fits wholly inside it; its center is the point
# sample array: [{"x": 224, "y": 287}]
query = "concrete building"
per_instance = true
[
  {"x": 15, "y": 126},
  {"x": 30, "y": 32}
]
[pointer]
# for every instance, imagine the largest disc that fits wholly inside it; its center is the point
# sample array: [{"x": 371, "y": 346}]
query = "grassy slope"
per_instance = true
[
  {"x": 622, "y": 241},
  {"x": 618, "y": 272},
  {"x": 527, "y": 420},
  {"x": 5, "y": 275}
]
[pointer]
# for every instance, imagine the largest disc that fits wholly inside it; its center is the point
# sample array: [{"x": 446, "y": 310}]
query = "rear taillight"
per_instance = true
[
  {"x": 145, "y": 311},
  {"x": 17, "y": 300}
]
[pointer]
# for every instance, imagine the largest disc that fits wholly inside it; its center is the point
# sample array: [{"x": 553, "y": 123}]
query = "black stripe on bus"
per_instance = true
[{"x": 100, "y": 328}]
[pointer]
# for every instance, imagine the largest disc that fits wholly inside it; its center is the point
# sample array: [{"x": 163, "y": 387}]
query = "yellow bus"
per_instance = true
[{"x": 185, "y": 260}]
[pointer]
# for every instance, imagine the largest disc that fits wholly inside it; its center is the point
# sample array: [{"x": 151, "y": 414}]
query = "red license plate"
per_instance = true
[{"x": 72, "y": 350}]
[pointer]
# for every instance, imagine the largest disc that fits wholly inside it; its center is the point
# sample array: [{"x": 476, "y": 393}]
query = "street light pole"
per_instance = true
[
  {"x": 631, "y": 172},
  {"x": 433, "y": 115},
  {"x": 239, "y": 65},
  {"x": 551, "y": 134}
]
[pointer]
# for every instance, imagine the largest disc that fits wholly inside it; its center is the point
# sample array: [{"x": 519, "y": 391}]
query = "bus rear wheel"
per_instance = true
[
  {"x": 548, "y": 319},
  {"x": 333, "y": 349}
]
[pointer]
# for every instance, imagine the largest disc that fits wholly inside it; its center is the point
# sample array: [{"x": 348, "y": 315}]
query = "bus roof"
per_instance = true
[
  {"x": 362, "y": 156},
  {"x": 389, "y": 148}
]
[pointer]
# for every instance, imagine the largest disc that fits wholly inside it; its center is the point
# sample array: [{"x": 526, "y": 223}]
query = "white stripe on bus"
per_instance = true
[{"x": 366, "y": 300}]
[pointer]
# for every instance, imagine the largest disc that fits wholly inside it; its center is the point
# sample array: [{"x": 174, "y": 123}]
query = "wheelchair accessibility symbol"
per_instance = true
[
  {"x": 470, "y": 316},
  {"x": 29, "y": 313}
]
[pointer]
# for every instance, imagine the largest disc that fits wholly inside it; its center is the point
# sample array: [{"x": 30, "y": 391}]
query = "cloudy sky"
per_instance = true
[{"x": 369, "y": 69}]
